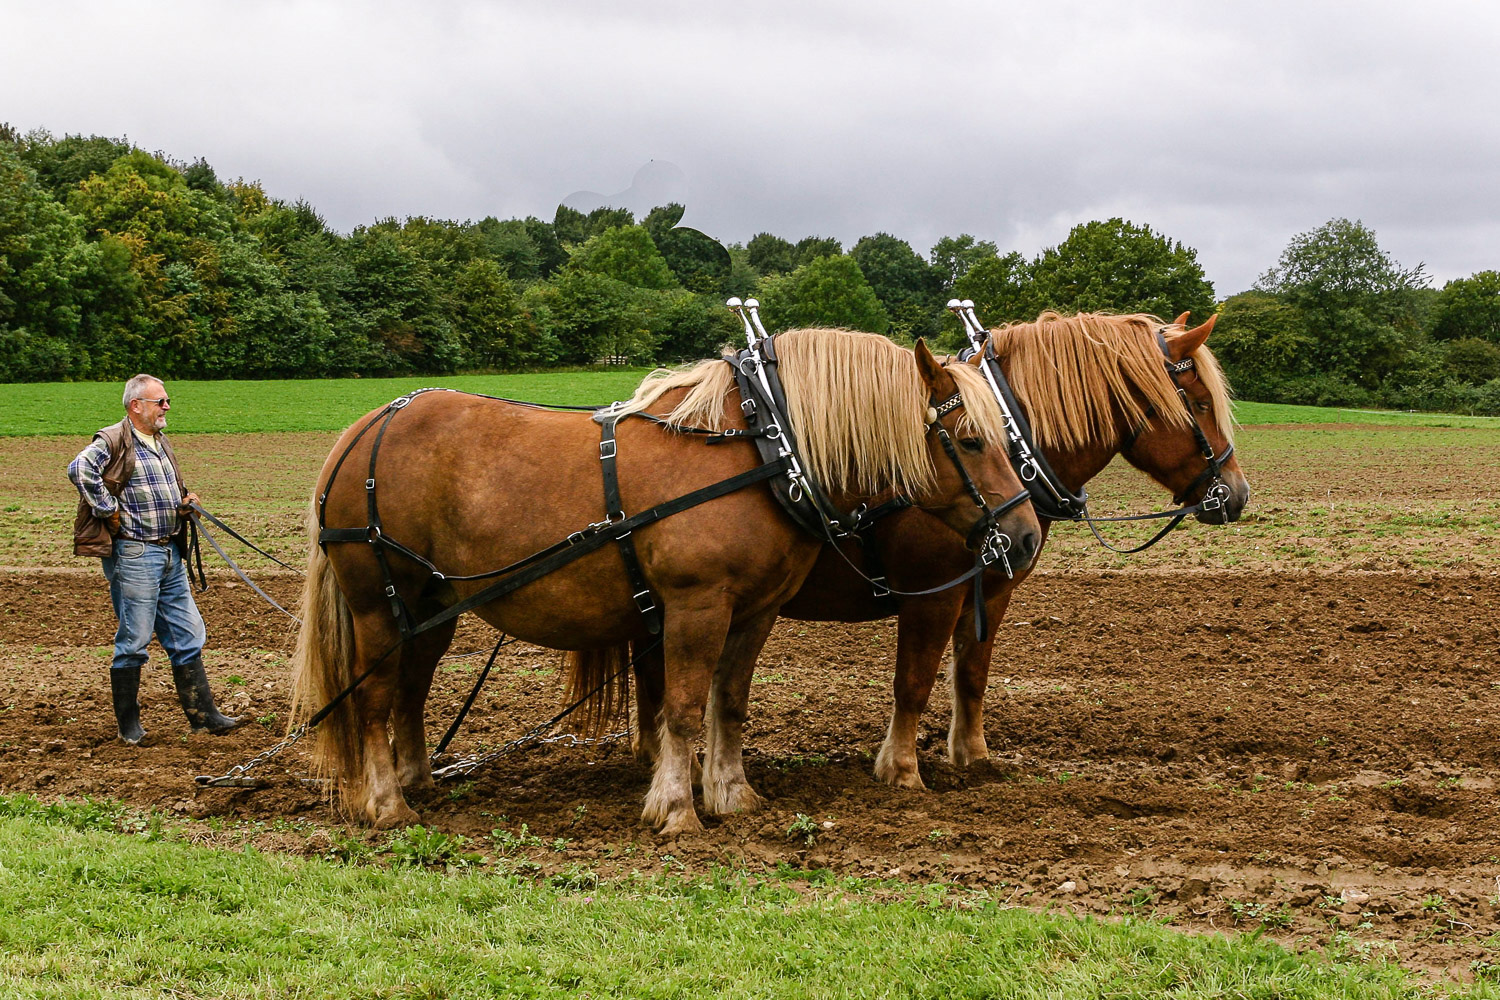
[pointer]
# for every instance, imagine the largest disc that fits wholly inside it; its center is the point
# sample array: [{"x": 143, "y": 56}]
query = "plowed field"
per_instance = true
[{"x": 1289, "y": 724}]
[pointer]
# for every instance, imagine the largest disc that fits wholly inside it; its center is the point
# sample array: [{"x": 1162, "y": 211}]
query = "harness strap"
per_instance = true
[
  {"x": 614, "y": 511},
  {"x": 581, "y": 543}
]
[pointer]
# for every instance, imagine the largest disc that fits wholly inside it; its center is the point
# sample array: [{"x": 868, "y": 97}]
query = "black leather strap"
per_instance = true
[{"x": 614, "y": 511}]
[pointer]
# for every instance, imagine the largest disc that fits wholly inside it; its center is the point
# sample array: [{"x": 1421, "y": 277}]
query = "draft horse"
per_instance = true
[
  {"x": 1091, "y": 387},
  {"x": 466, "y": 483}
]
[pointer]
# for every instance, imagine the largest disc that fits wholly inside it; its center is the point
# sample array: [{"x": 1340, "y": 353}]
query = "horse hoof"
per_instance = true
[
  {"x": 898, "y": 776},
  {"x": 681, "y": 823},
  {"x": 968, "y": 756},
  {"x": 397, "y": 818},
  {"x": 736, "y": 798}
]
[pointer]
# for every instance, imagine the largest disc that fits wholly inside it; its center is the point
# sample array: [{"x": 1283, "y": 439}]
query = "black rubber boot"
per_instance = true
[
  {"x": 125, "y": 686},
  {"x": 198, "y": 700}
]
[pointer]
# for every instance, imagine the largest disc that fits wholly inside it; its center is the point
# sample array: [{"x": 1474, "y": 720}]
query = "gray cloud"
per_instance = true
[{"x": 1229, "y": 127}]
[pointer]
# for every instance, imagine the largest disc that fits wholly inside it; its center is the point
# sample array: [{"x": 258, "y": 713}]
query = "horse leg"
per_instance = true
[
  {"x": 384, "y": 805},
  {"x": 419, "y": 660},
  {"x": 921, "y": 635},
  {"x": 650, "y": 685},
  {"x": 692, "y": 639},
  {"x": 725, "y": 787},
  {"x": 968, "y": 680}
]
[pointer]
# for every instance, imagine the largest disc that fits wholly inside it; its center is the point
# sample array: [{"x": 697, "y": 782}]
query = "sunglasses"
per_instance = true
[{"x": 163, "y": 401}]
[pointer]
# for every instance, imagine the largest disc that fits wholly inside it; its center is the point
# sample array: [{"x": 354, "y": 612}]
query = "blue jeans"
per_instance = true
[{"x": 148, "y": 585}]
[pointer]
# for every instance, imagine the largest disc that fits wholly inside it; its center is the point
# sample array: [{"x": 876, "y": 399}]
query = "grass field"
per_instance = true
[
  {"x": 309, "y": 405},
  {"x": 80, "y": 408},
  {"x": 90, "y": 913}
]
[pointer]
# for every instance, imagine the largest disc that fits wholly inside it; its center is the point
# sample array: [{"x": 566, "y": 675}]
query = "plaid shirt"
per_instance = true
[{"x": 148, "y": 503}]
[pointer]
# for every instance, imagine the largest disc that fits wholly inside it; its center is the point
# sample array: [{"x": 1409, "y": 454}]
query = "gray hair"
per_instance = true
[{"x": 136, "y": 385}]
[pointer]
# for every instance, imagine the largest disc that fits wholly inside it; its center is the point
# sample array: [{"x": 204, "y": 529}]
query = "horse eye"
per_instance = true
[
  {"x": 975, "y": 445},
  {"x": 1203, "y": 407}
]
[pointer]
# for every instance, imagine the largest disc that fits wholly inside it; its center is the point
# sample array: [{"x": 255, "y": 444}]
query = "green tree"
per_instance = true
[
  {"x": 63, "y": 300},
  {"x": 60, "y": 164},
  {"x": 953, "y": 256},
  {"x": 698, "y": 262},
  {"x": 770, "y": 254},
  {"x": 810, "y": 248},
  {"x": 595, "y": 316},
  {"x": 1118, "y": 266},
  {"x": 1264, "y": 345},
  {"x": 1001, "y": 289},
  {"x": 1359, "y": 305},
  {"x": 827, "y": 291},
  {"x": 906, "y": 286},
  {"x": 626, "y": 254},
  {"x": 489, "y": 316},
  {"x": 1469, "y": 307}
]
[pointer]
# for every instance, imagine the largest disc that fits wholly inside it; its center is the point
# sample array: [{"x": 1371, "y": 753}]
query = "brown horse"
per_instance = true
[
  {"x": 470, "y": 483},
  {"x": 1093, "y": 386}
]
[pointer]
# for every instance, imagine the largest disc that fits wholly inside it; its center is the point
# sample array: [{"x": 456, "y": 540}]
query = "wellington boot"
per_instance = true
[
  {"x": 198, "y": 699},
  {"x": 125, "y": 686}
]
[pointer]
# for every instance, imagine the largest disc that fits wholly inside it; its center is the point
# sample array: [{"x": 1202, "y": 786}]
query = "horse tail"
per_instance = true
[
  {"x": 600, "y": 680},
  {"x": 322, "y": 666}
]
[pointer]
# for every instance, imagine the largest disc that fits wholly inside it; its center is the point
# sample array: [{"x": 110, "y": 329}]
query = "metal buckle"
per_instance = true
[
  {"x": 747, "y": 407},
  {"x": 401, "y": 401},
  {"x": 644, "y": 601},
  {"x": 882, "y": 589},
  {"x": 1215, "y": 498},
  {"x": 390, "y": 590},
  {"x": 605, "y": 455},
  {"x": 369, "y": 484}
]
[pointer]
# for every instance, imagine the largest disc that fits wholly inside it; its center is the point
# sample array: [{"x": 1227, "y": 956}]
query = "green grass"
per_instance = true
[
  {"x": 307, "y": 405},
  {"x": 1281, "y": 413},
  {"x": 85, "y": 913},
  {"x": 80, "y": 408}
]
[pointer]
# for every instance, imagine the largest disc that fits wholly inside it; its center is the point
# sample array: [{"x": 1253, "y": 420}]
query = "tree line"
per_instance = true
[{"x": 114, "y": 260}]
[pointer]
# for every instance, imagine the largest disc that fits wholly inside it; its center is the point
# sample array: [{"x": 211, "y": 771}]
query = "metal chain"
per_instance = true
[
  {"x": 468, "y": 765},
  {"x": 235, "y": 776}
]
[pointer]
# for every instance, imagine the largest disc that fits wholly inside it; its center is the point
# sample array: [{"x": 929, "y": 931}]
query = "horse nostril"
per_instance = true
[{"x": 1026, "y": 547}]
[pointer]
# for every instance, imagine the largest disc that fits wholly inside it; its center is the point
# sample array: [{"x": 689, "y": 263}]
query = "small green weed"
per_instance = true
[
  {"x": 421, "y": 846},
  {"x": 806, "y": 827},
  {"x": 510, "y": 842}
]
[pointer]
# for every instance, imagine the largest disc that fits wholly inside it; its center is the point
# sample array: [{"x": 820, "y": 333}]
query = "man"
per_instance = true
[{"x": 132, "y": 513}]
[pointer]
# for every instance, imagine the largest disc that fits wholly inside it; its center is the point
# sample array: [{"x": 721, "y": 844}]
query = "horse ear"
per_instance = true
[
  {"x": 1182, "y": 320},
  {"x": 927, "y": 365},
  {"x": 1187, "y": 342}
]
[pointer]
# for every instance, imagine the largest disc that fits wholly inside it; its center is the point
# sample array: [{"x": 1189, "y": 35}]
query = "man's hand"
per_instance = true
[
  {"x": 113, "y": 522},
  {"x": 185, "y": 509}
]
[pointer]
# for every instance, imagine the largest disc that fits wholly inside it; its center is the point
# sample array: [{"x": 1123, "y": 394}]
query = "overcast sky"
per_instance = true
[{"x": 1229, "y": 127}]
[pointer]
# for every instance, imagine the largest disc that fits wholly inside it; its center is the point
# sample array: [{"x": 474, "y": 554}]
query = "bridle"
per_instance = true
[
  {"x": 1212, "y": 476},
  {"x": 1051, "y": 498}
]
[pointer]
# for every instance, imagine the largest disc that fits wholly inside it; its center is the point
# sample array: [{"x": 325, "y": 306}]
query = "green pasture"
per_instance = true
[
  {"x": 285, "y": 405},
  {"x": 88, "y": 912},
  {"x": 79, "y": 408}
]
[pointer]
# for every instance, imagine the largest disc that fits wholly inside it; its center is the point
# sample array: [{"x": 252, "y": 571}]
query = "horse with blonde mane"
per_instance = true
[
  {"x": 1092, "y": 387},
  {"x": 467, "y": 483}
]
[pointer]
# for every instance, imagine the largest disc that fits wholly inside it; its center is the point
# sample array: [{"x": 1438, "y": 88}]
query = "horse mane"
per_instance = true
[
  {"x": 1074, "y": 371},
  {"x": 855, "y": 401}
]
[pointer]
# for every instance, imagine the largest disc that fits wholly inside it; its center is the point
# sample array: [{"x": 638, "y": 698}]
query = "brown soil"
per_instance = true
[{"x": 1312, "y": 752}]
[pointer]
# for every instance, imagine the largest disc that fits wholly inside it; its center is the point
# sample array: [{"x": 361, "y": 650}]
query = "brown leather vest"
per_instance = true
[{"x": 91, "y": 535}]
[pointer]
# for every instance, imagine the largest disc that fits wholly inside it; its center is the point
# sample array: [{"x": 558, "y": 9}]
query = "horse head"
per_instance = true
[
  {"x": 1194, "y": 457},
  {"x": 976, "y": 491}
]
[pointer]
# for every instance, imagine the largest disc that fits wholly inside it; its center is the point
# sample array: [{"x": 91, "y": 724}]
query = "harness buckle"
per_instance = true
[
  {"x": 881, "y": 586},
  {"x": 644, "y": 601},
  {"x": 607, "y": 450},
  {"x": 401, "y": 401},
  {"x": 747, "y": 407},
  {"x": 390, "y": 590}
]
